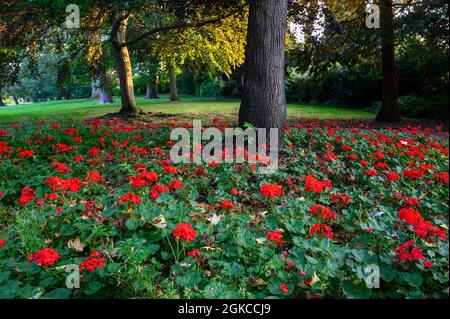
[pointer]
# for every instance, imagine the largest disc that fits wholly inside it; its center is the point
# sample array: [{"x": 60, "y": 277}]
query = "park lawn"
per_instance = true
[{"x": 189, "y": 105}]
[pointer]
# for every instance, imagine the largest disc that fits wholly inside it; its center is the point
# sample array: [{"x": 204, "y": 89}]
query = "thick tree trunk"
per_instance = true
[
  {"x": 173, "y": 82},
  {"x": 389, "y": 111},
  {"x": 105, "y": 96},
  {"x": 264, "y": 101},
  {"x": 94, "y": 90},
  {"x": 123, "y": 62},
  {"x": 149, "y": 93},
  {"x": 105, "y": 91}
]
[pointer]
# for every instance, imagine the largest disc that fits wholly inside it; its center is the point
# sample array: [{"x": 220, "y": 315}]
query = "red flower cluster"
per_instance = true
[
  {"x": 61, "y": 168},
  {"x": 26, "y": 153},
  {"x": 413, "y": 174},
  {"x": 271, "y": 190},
  {"x": 226, "y": 204},
  {"x": 276, "y": 237},
  {"x": 176, "y": 184},
  {"x": 315, "y": 186},
  {"x": 2, "y": 242},
  {"x": 46, "y": 257},
  {"x": 441, "y": 177},
  {"x": 184, "y": 231},
  {"x": 421, "y": 228},
  {"x": 404, "y": 252},
  {"x": 58, "y": 183},
  {"x": 321, "y": 229},
  {"x": 409, "y": 215},
  {"x": 129, "y": 198},
  {"x": 28, "y": 195},
  {"x": 143, "y": 179},
  {"x": 341, "y": 198},
  {"x": 194, "y": 253},
  {"x": 93, "y": 176},
  {"x": 284, "y": 288},
  {"x": 321, "y": 212},
  {"x": 92, "y": 262},
  {"x": 157, "y": 189}
]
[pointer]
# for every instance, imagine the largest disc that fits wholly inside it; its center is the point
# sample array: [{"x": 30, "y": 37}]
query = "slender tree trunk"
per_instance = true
[
  {"x": 149, "y": 93},
  {"x": 156, "y": 88},
  {"x": 63, "y": 74},
  {"x": 1, "y": 100},
  {"x": 173, "y": 82},
  {"x": 264, "y": 101},
  {"x": 389, "y": 111},
  {"x": 16, "y": 101},
  {"x": 123, "y": 62}
]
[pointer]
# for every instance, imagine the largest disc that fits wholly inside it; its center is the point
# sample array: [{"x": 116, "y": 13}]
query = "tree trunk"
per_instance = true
[
  {"x": 1, "y": 100},
  {"x": 173, "y": 82},
  {"x": 149, "y": 93},
  {"x": 156, "y": 88},
  {"x": 118, "y": 38},
  {"x": 264, "y": 100},
  {"x": 94, "y": 91},
  {"x": 63, "y": 74},
  {"x": 16, "y": 101},
  {"x": 389, "y": 111},
  {"x": 105, "y": 91},
  {"x": 105, "y": 96}
]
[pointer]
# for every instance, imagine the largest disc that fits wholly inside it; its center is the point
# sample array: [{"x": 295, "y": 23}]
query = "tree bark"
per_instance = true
[
  {"x": 149, "y": 93},
  {"x": 105, "y": 96},
  {"x": 105, "y": 91},
  {"x": 94, "y": 90},
  {"x": 389, "y": 111},
  {"x": 156, "y": 88},
  {"x": 118, "y": 38},
  {"x": 1, "y": 100},
  {"x": 16, "y": 101},
  {"x": 264, "y": 100},
  {"x": 173, "y": 82}
]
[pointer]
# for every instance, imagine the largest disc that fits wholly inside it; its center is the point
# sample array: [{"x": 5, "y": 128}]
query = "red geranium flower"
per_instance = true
[
  {"x": 129, "y": 198},
  {"x": 46, "y": 257},
  {"x": 321, "y": 230},
  {"x": 184, "y": 231},
  {"x": 28, "y": 195},
  {"x": 92, "y": 262},
  {"x": 271, "y": 190}
]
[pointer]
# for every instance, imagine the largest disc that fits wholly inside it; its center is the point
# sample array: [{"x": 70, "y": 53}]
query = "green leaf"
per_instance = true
[
  {"x": 413, "y": 279},
  {"x": 93, "y": 287},
  {"x": 355, "y": 291},
  {"x": 133, "y": 224},
  {"x": 189, "y": 279},
  {"x": 58, "y": 293}
]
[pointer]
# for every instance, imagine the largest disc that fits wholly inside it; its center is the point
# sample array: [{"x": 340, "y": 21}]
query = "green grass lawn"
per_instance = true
[{"x": 192, "y": 106}]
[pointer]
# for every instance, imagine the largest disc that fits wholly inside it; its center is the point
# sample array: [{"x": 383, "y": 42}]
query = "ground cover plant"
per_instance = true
[{"x": 103, "y": 195}]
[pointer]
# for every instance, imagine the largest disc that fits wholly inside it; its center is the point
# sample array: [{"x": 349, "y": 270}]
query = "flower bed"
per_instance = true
[{"x": 103, "y": 196}]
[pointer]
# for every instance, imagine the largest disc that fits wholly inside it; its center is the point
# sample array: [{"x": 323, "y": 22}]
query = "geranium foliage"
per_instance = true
[{"x": 104, "y": 195}]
